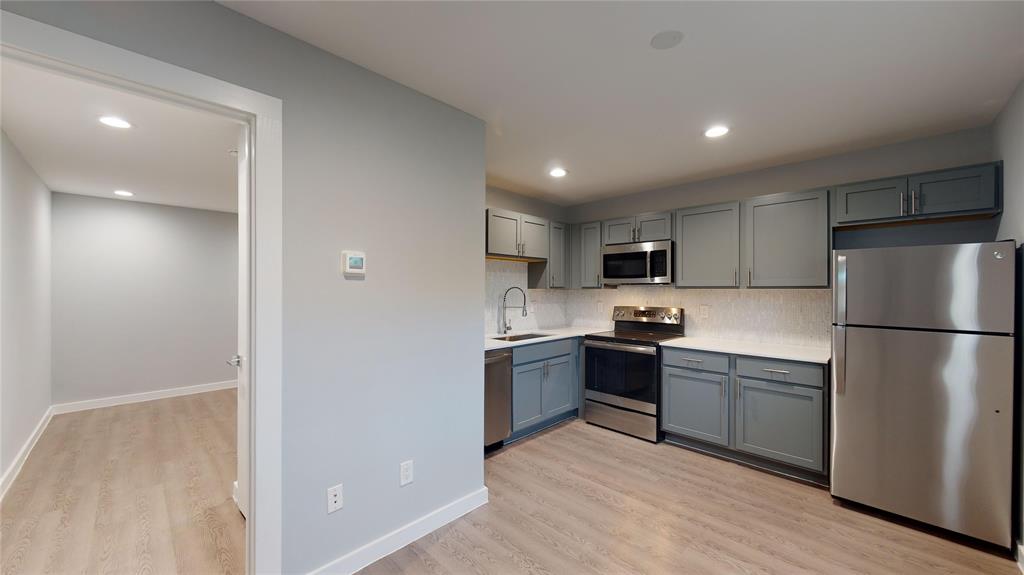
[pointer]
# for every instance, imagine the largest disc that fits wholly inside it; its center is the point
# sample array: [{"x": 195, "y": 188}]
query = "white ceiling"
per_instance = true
[
  {"x": 172, "y": 155},
  {"x": 578, "y": 83}
]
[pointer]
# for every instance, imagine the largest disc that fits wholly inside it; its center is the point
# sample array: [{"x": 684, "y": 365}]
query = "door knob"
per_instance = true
[{"x": 235, "y": 361}]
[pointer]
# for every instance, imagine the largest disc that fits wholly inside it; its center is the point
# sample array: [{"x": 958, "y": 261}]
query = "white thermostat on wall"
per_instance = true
[{"x": 353, "y": 263}]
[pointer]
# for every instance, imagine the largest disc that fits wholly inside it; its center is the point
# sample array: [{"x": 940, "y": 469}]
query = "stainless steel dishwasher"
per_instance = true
[{"x": 497, "y": 396}]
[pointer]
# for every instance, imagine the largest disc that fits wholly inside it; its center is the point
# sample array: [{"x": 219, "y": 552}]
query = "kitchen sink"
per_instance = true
[{"x": 521, "y": 336}]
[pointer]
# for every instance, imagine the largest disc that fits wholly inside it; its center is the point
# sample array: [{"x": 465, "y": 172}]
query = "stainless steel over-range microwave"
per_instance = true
[{"x": 639, "y": 263}]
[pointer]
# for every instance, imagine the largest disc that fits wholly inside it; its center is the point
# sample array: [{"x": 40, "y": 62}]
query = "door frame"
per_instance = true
[{"x": 67, "y": 53}]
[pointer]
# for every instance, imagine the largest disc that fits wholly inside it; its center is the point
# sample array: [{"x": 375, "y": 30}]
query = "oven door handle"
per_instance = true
[{"x": 644, "y": 349}]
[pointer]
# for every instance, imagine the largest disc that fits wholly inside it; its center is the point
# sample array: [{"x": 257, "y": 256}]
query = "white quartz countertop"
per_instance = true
[
  {"x": 806, "y": 354},
  {"x": 549, "y": 335}
]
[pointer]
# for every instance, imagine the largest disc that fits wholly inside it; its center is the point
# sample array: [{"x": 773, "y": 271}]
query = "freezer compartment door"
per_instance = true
[
  {"x": 922, "y": 426},
  {"x": 957, "y": 287}
]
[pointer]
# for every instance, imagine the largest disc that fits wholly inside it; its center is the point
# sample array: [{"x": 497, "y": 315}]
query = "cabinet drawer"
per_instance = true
[
  {"x": 695, "y": 359},
  {"x": 528, "y": 353},
  {"x": 781, "y": 371}
]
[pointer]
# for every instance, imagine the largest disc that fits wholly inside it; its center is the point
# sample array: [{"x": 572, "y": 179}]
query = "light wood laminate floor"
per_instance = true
[
  {"x": 139, "y": 488},
  {"x": 580, "y": 499}
]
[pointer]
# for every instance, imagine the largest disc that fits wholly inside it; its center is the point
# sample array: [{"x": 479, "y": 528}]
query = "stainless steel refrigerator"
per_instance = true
[{"x": 922, "y": 384}]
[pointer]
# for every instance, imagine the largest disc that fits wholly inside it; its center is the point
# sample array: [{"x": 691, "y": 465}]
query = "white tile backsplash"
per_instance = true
[{"x": 785, "y": 316}]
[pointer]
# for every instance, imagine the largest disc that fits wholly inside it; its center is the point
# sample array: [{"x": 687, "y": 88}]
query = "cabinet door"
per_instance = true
[
  {"x": 556, "y": 259},
  {"x": 534, "y": 233},
  {"x": 618, "y": 231},
  {"x": 708, "y": 246},
  {"x": 527, "y": 394},
  {"x": 867, "y": 201},
  {"x": 786, "y": 240},
  {"x": 654, "y": 227},
  {"x": 558, "y": 388},
  {"x": 590, "y": 255},
  {"x": 695, "y": 404},
  {"x": 502, "y": 232},
  {"x": 962, "y": 190},
  {"x": 781, "y": 422}
]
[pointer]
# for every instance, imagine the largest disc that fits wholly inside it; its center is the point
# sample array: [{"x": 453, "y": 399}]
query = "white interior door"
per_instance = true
[{"x": 242, "y": 483}]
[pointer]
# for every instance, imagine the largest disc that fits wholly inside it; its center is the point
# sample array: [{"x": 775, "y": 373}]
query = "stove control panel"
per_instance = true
[{"x": 669, "y": 315}]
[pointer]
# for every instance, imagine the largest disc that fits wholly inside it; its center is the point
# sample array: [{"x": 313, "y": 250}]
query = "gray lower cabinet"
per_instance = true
[
  {"x": 527, "y": 395},
  {"x": 786, "y": 240},
  {"x": 545, "y": 382},
  {"x": 781, "y": 422},
  {"x": 618, "y": 231},
  {"x": 707, "y": 247},
  {"x": 869, "y": 201},
  {"x": 590, "y": 255},
  {"x": 695, "y": 404},
  {"x": 962, "y": 190}
]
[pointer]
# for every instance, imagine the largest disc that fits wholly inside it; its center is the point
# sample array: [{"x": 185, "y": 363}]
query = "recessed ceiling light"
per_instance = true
[
  {"x": 115, "y": 122},
  {"x": 123, "y": 193},
  {"x": 716, "y": 131},
  {"x": 666, "y": 40},
  {"x": 557, "y": 172}
]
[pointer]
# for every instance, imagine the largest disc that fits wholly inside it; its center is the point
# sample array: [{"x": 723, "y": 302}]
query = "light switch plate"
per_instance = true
[{"x": 405, "y": 473}]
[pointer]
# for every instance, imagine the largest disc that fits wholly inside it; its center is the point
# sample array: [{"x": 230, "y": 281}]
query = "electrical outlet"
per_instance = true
[
  {"x": 335, "y": 501},
  {"x": 405, "y": 473},
  {"x": 705, "y": 311}
]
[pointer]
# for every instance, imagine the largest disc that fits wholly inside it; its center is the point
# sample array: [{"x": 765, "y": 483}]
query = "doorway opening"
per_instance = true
[{"x": 135, "y": 209}]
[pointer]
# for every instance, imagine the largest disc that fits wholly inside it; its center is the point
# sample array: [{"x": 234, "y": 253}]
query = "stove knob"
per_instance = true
[
  {"x": 662, "y": 315},
  {"x": 675, "y": 316}
]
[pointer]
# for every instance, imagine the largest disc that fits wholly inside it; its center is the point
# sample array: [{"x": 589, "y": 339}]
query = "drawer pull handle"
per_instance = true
[
  {"x": 692, "y": 359},
  {"x": 769, "y": 370}
]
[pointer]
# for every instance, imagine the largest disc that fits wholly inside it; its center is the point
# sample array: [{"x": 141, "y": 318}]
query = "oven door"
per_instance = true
[{"x": 622, "y": 375}]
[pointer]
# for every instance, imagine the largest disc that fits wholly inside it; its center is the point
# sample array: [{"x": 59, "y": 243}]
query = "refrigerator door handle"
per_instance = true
[
  {"x": 839, "y": 359},
  {"x": 840, "y": 291}
]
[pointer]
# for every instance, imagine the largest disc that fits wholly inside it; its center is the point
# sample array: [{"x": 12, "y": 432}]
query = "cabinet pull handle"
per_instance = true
[
  {"x": 725, "y": 383},
  {"x": 692, "y": 359},
  {"x": 915, "y": 200},
  {"x": 770, "y": 370},
  {"x": 903, "y": 205},
  {"x": 750, "y": 277},
  {"x": 735, "y": 276}
]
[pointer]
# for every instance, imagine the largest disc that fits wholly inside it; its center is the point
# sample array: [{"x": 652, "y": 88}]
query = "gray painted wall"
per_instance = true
[
  {"x": 24, "y": 301},
  {"x": 1008, "y": 144},
  {"x": 361, "y": 154},
  {"x": 958, "y": 148},
  {"x": 145, "y": 297},
  {"x": 499, "y": 198}
]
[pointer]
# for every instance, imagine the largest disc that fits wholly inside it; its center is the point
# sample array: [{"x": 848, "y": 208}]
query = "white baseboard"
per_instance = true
[
  {"x": 388, "y": 544},
  {"x": 11, "y": 472},
  {"x": 138, "y": 397}
]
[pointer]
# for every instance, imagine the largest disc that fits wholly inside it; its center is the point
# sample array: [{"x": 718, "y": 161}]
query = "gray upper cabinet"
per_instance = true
[
  {"x": 590, "y": 255},
  {"x": 502, "y": 232},
  {"x": 556, "y": 260},
  {"x": 868, "y": 201},
  {"x": 961, "y": 190},
  {"x": 695, "y": 404},
  {"x": 707, "y": 247},
  {"x": 654, "y": 227},
  {"x": 780, "y": 422},
  {"x": 786, "y": 240},
  {"x": 954, "y": 192},
  {"x": 527, "y": 394},
  {"x": 618, "y": 231},
  {"x": 643, "y": 228},
  {"x": 534, "y": 233}
]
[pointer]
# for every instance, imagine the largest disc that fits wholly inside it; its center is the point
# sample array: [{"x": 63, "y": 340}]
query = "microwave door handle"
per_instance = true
[{"x": 649, "y": 252}]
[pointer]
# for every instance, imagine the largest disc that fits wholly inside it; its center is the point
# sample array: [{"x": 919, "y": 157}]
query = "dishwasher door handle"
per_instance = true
[{"x": 497, "y": 358}]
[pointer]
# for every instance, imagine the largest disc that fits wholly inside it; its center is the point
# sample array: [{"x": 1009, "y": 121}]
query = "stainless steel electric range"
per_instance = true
[{"x": 622, "y": 370}]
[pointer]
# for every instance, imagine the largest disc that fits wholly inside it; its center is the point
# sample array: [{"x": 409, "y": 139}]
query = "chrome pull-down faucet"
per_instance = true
[{"x": 506, "y": 324}]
